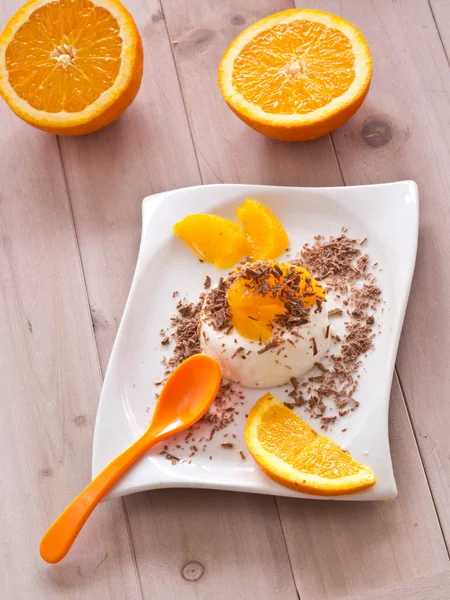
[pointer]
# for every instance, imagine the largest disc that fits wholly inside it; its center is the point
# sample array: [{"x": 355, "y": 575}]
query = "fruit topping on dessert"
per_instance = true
[
  {"x": 213, "y": 239},
  {"x": 224, "y": 243},
  {"x": 266, "y": 236},
  {"x": 265, "y": 323}
]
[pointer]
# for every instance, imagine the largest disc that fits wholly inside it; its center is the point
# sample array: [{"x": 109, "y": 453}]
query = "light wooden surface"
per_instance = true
[
  {"x": 69, "y": 233},
  {"x": 434, "y": 587}
]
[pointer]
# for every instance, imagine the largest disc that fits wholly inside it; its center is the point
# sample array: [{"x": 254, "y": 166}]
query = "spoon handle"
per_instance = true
[{"x": 60, "y": 536}]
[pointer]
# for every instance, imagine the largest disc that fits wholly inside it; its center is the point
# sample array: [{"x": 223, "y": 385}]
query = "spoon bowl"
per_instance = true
[{"x": 185, "y": 398}]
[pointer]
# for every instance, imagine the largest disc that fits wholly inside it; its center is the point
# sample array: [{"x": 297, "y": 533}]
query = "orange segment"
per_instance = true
[
  {"x": 291, "y": 453},
  {"x": 324, "y": 458},
  {"x": 297, "y": 74},
  {"x": 213, "y": 239},
  {"x": 266, "y": 235},
  {"x": 70, "y": 66},
  {"x": 275, "y": 420},
  {"x": 253, "y": 314}
]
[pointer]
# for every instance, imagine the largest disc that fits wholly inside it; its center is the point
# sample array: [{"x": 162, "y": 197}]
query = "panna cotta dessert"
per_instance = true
[{"x": 265, "y": 323}]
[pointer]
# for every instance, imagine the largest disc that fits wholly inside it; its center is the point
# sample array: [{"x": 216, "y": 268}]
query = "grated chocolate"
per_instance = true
[{"x": 346, "y": 270}]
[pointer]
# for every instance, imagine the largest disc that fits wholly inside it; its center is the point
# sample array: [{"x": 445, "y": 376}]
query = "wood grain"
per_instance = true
[
  {"x": 196, "y": 544},
  {"x": 433, "y": 587},
  {"x": 441, "y": 14},
  {"x": 148, "y": 150},
  {"x": 339, "y": 549},
  {"x": 235, "y": 538},
  {"x": 322, "y": 567},
  {"x": 227, "y": 150},
  {"x": 409, "y": 111},
  {"x": 49, "y": 378}
]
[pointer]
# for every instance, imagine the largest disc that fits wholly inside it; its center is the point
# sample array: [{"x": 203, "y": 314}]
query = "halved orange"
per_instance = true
[
  {"x": 70, "y": 67},
  {"x": 297, "y": 74},
  {"x": 293, "y": 454},
  {"x": 213, "y": 239},
  {"x": 265, "y": 233}
]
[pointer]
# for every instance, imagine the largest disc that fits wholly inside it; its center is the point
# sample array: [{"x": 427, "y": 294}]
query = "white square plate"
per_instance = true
[{"x": 386, "y": 214}]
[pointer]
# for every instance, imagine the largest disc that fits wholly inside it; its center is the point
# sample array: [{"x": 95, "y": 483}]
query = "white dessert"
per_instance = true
[{"x": 248, "y": 363}]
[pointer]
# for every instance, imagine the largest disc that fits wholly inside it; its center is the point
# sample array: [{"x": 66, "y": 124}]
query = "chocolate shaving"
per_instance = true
[
  {"x": 334, "y": 257},
  {"x": 327, "y": 421},
  {"x": 294, "y": 382},
  {"x": 290, "y": 405},
  {"x": 346, "y": 270},
  {"x": 240, "y": 349},
  {"x": 207, "y": 283},
  {"x": 357, "y": 341},
  {"x": 314, "y": 345},
  {"x": 173, "y": 459},
  {"x": 272, "y": 344},
  {"x": 264, "y": 280}
]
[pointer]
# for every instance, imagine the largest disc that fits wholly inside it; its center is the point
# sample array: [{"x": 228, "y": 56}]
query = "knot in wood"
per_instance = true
[
  {"x": 192, "y": 570},
  {"x": 376, "y": 132},
  {"x": 237, "y": 20}
]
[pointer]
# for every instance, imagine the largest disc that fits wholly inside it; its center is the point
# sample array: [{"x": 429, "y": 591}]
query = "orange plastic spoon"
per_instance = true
[{"x": 187, "y": 395}]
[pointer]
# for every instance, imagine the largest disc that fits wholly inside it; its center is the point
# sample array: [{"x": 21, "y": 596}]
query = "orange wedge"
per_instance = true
[
  {"x": 292, "y": 454},
  {"x": 213, "y": 239},
  {"x": 70, "y": 67},
  {"x": 265, "y": 234},
  {"x": 297, "y": 74}
]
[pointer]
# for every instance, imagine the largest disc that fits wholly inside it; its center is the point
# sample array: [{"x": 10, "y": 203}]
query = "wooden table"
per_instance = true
[{"x": 69, "y": 235}]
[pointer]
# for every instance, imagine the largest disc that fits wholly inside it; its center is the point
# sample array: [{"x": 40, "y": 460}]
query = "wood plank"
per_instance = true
[
  {"x": 408, "y": 108},
  {"x": 148, "y": 150},
  {"x": 227, "y": 150},
  {"x": 230, "y": 541},
  {"x": 50, "y": 382},
  {"x": 433, "y": 587},
  {"x": 227, "y": 142},
  {"x": 340, "y": 549},
  {"x": 441, "y": 15}
]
